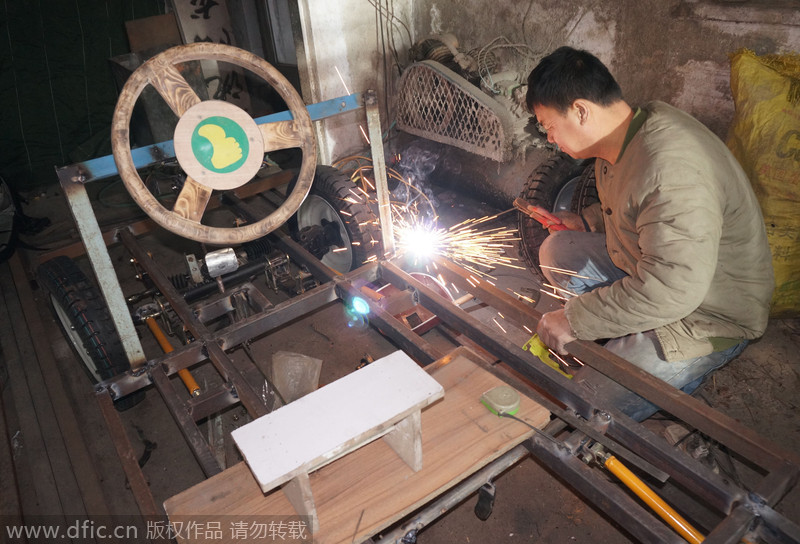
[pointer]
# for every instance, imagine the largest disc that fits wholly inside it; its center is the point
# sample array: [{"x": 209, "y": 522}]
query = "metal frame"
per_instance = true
[{"x": 588, "y": 417}]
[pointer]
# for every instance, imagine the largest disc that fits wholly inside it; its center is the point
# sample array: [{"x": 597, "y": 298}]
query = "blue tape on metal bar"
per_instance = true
[{"x": 105, "y": 167}]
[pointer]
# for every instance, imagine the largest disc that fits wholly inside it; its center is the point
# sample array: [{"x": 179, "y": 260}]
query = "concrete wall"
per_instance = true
[
  {"x": 675, "y": 50},
  {"x": 349, "y": 48}
]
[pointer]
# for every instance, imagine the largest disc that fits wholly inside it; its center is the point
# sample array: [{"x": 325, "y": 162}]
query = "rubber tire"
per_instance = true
[
  {"x": 81, "y": 302},
  {"x": 359, "y": 220},
  {"x": 548, "y": 187}
]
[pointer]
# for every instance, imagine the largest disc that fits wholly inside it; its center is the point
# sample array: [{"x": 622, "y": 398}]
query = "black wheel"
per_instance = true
[
  {"x": 84, "y": 317},
  {"x": 352, "y": 235},
  {"x": 560, "y": 183}
]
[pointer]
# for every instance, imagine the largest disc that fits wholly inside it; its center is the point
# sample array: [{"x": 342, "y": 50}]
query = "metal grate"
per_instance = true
[{"x": 436, "y": 103}]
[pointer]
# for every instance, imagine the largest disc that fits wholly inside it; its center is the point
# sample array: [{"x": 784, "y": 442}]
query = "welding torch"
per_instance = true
[{"x": 547, "y": 219}]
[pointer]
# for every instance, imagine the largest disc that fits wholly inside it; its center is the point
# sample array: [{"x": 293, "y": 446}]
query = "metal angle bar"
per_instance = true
[
  {"x": 548, "y": 379},
  {"x": 194, "y": 438},
  {"x": 733, "y": 527},
  {"x": 211, "y": 402},
  {"x": 709, "y": 486},
  {"x": 244, "y": 389},
  {"x": 776, "y": 528},
  {"x": 86, "y": 221},
  {"x": 722, "y": 428},
  {"x": 105, "y": 167},
  {"x": 379, "y": 171},
  {"x": 409, "y": 341},
  {"x": 603, "y": 493},
  {"x": 249, "y": 396},
  {"x": 258, "y": 324},
  {"x": 127, "y": 457}
]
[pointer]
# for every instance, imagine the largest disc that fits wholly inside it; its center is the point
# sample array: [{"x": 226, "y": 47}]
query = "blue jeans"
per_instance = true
[{"x": 585, "y": 254}]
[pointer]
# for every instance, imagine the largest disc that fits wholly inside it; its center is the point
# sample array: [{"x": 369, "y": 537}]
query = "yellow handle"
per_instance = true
[
  {"x": 163, "y": 341},
  {"x": 683, "y": 527},
  {"x": 537, "y": 347}
]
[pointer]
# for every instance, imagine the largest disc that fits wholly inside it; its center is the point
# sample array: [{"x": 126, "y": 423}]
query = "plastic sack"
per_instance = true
[{"x": 765, "y": 138}]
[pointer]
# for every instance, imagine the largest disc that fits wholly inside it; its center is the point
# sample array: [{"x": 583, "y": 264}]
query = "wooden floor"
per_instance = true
[{"x": 53, "y": 473}]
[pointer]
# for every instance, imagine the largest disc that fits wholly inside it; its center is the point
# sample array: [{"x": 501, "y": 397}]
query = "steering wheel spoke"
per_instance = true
[
  {"x": 281, "y": 135},
  {"x": 218, "y": 145},
  {"x": 192, "y": 200},
  {"x": 172, "y": 86}
]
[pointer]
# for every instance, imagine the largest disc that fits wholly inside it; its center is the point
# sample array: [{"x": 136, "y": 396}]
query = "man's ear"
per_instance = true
[{"x": 581, "y": 110}]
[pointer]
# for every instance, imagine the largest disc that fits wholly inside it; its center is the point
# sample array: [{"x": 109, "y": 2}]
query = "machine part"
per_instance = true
[
  {"x": 436, "y": 103},
  {"x": 551, "y": 186},
  {"x": 86, "y": 321},
  {"x": 184, "y": 218},
  {"x": 194, "y": 269},
  {"x": 485, "y": 504},
  {"x": 221, "y": 261},
  {"x": 501, "y": 400},
  {"x": 334, "y": 201}
]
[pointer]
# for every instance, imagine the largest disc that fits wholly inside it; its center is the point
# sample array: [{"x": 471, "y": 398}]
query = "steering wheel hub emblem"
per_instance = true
[{"x": 219, "y": 145}]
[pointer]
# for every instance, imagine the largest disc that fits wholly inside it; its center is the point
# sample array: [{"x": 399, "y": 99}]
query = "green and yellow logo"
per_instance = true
[{"x": 220, "y": 144}]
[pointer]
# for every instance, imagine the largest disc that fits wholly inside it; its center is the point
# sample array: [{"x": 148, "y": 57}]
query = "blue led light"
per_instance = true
[{"x": 359, "y": 305}]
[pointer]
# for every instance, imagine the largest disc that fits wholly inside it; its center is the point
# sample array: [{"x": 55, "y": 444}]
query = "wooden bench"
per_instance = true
[
  {"x": 361, "y": 494},
  {"x": 383, "y": 399}
]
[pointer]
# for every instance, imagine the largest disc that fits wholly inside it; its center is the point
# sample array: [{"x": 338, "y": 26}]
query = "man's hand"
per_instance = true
[
  {"x": 555, "y": 332},
  {"x": 571, "y": 220}
]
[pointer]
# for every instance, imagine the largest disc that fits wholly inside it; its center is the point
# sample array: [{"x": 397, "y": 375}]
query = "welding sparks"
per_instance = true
[{"x": 477, "y": 250}]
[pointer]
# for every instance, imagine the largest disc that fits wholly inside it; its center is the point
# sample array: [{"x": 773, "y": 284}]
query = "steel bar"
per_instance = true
[
  {"x": 138, "y": 484},
  {"x": 178, "y": 409},
  {"x": 774, "y": 527},
  {"x": 211, "y": 402},
  {"x": 86, "y": 221},
  {"x": 757, "y": 513},
  {"x": 449, "y": 500},
  {"x": 280, "y": 314},
  {"x": 379, "y": 171},
  {"x": 731, "y": 529},
  {"x": 405, "y": 338},
  {"x": 700, "y": 479},
  {"x": 606, "y": 495},
  {"x": 244, "y": 390},
  {"x": 250, "y": 398},
  {"x": 545, "y": 377},
  {"x": 718, "y": 426}
]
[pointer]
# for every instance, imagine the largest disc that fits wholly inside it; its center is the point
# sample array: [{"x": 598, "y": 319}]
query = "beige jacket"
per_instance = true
[{"x": 682, "y": 220}]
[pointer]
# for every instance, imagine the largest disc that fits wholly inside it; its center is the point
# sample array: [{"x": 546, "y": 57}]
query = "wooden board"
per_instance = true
[
  {"x": 333, "y": 420},
  {"x": 371, "y": 488}
]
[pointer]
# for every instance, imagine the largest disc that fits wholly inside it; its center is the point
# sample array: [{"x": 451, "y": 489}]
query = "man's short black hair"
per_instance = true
[{"x": 568, "y": 74}]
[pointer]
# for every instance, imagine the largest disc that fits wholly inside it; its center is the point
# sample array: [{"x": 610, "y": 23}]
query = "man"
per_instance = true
[{"x": 677, "y": 271}]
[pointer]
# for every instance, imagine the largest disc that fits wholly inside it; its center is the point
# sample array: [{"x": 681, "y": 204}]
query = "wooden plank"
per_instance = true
[
  {"x": 80, "y": 463},
  {"x": 334, "y": 420},
  {"x": 35, "y": 473},
  {"x": 371, "y": 488}
]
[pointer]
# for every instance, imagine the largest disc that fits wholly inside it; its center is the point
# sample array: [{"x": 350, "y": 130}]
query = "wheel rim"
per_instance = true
[
  {"x": 75, "y": 339},
  {"x": 563, "y": 200},
  {"x": 312, "y": 211}
]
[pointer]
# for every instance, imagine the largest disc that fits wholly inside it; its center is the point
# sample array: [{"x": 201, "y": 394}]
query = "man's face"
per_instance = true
[{"x": 565, "y": 130}]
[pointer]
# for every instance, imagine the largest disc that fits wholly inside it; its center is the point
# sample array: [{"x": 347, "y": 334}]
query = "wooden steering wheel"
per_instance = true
[{"x": 217, "y": 144}]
